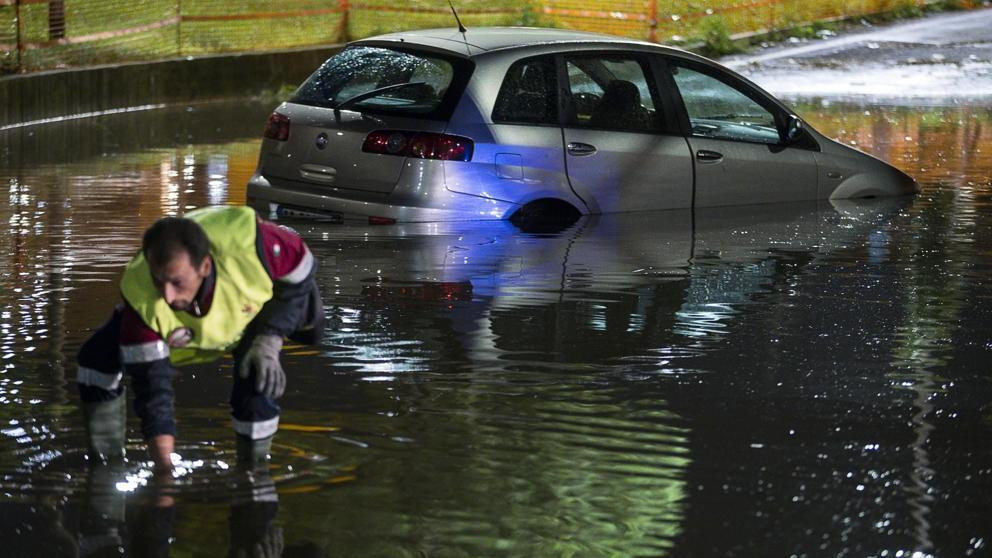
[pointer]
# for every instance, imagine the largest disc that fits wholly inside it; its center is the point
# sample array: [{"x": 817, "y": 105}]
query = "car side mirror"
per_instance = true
[{"x": 794, "y": 130}]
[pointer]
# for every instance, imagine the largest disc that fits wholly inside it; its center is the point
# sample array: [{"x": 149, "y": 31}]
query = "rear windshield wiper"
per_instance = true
[{"x": 374, "y": 93}]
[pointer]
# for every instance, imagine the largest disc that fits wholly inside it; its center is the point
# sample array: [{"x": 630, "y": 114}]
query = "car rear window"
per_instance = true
[{"x": 390, "y": 81}]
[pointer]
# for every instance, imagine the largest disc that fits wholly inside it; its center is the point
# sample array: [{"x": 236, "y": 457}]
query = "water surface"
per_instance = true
[{"x": 803, "y": 379}]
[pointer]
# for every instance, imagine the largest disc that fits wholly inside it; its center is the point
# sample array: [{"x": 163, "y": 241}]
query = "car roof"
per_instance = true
[{"x": 479, "y": 40}]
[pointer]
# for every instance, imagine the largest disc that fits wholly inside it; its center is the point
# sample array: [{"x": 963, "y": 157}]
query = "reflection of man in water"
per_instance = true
[
  {"x": 112, "y": 523},
  {"x": 217, "y": 280}
]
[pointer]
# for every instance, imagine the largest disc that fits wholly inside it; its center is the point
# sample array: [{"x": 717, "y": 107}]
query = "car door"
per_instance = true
[
  {"x": 623, "y": 150},
  {"x": 734, "y": 132}
]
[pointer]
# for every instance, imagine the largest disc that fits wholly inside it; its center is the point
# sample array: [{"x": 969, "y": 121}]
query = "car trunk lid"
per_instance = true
[
  {"x": 361, "y": 90},
  {"x": 326, "y": 150}
]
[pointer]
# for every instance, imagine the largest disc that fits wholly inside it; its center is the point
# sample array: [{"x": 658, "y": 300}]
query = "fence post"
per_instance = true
[
  {"x": 344, "y": 7},
  {"x": 56, "y": 19},
  {"x": 20, "y": 43},
  {"x": 179, "y": 28},
  {"x": 653, "y": 21}
]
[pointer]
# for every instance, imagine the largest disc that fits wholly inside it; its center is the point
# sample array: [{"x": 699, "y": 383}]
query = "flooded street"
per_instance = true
[{"x": 784, "y": 380}]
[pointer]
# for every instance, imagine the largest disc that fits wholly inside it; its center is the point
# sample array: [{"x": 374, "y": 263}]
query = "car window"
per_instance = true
[
  {"x": 410, "y": 83},
  {"x": 609, "y": 91},
  {"x": 527, "y": 94},
  {"x": 717, "y": 110}
]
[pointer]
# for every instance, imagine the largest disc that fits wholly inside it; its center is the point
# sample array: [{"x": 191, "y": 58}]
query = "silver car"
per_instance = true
[{"x": 517, "y": 123}]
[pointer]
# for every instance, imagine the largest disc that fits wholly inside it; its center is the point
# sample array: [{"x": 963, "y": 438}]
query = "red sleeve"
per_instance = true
[
  {"x": 286, "y": 255},
  {"x": 134, "y": 331}
]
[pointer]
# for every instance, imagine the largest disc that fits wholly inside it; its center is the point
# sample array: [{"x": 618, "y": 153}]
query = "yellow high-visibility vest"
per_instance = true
[{"x": 242, "y": 286}]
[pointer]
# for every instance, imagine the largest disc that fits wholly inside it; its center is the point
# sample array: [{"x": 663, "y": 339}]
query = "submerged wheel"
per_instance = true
[{"x": 545, "y": 215}]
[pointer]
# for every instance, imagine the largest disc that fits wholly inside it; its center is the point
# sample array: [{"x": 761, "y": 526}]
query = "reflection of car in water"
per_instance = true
[
  {"x": 688, "y": 269},
  {"x": 434, "y": 125},
  {"x": 598, "y": 251},
  {"x": 560, "y": 355},
  {"x": 423, "y": 290}
]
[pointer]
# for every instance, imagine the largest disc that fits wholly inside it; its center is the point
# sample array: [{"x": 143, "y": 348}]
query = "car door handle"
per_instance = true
[
  {"x": 580, "y": 149},
  {"x": 704, "y": 156}
]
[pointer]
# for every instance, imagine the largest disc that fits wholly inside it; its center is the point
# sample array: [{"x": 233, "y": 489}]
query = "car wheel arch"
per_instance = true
[{"x": 545, "y": 210}]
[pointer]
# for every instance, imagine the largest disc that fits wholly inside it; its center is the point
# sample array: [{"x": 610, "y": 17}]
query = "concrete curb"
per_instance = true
[{"x": 65, "y": 93}]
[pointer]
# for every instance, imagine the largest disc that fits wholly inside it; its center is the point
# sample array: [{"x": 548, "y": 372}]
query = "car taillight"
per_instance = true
[
  {"x": 420, "y": 145},
  {"x": 277, "y": 127}
]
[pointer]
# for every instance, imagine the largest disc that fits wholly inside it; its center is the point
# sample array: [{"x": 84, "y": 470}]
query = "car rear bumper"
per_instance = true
[{"x": 273, "y": 202}]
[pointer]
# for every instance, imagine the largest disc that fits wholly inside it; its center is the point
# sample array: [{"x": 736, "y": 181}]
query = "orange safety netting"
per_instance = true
[{"x": 44, "y": 34}]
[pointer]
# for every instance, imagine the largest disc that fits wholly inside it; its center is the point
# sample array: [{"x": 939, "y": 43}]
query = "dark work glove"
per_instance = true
[{"x": 263, "y": 356}]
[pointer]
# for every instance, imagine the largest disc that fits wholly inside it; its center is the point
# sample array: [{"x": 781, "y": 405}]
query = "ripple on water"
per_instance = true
[
  {"x": 814, "y": 371},
  {"x": 44, "y": 457}
]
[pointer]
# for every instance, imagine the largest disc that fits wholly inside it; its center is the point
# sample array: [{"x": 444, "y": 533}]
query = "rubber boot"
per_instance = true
[
  {"x": 253, "y": 452},
  {"x": 105, "y": 428}
]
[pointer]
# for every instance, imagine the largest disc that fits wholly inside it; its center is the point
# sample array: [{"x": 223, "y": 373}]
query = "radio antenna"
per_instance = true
[{"x": 461, "y": 28}]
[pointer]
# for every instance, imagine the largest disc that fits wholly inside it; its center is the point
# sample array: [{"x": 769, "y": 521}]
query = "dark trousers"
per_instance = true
[{"x": 101, "y": 373}]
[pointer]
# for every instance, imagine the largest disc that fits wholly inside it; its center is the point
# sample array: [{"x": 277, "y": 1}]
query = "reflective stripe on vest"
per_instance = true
[{"x": 242, "y": 286}]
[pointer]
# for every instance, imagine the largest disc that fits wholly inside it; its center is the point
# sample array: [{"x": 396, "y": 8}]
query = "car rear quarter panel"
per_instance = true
[{"x": 512, "y": 162}]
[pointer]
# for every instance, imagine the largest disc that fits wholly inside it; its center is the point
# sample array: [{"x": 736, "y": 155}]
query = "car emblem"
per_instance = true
[{"x": 321, "y": 141}]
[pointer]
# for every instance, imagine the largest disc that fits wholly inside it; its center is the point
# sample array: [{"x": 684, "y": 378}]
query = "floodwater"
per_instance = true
[{"x": 808, "y": 379}]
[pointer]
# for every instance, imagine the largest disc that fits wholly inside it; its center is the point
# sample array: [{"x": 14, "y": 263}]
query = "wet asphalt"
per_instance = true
[{"x": 935, "y": 59}]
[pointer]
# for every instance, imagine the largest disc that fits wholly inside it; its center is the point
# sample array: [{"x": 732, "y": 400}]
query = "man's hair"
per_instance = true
[{"x": 171, "y": 236}]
